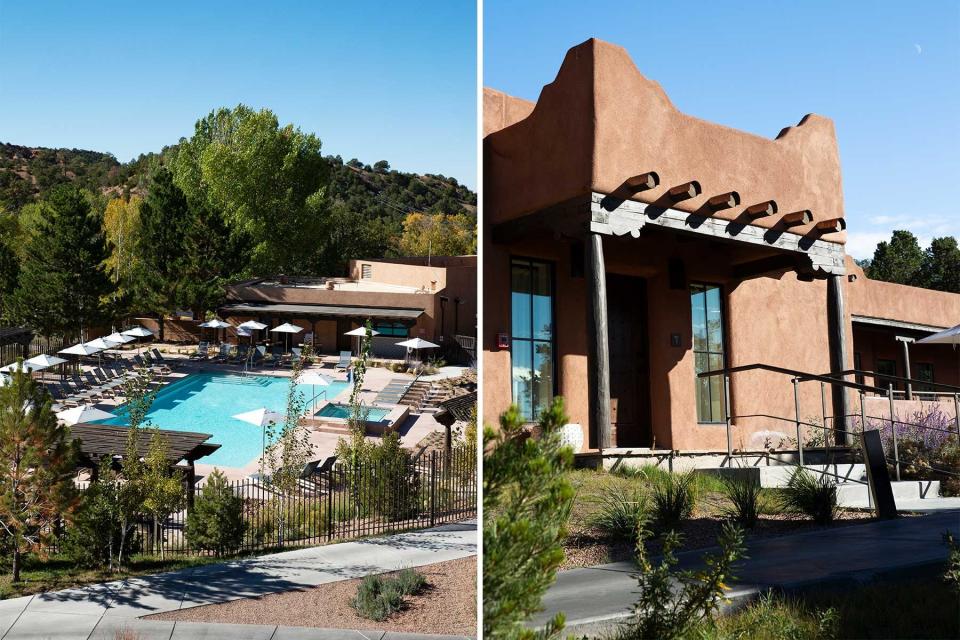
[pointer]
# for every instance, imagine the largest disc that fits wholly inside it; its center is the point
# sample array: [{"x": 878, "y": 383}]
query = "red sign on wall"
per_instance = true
[{"x": 503, "y": 341}]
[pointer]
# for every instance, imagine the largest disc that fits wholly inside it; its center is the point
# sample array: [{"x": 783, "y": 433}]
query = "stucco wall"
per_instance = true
[
  {"x": 876, "y": 299},
  {"x": 601, "y": 122}
]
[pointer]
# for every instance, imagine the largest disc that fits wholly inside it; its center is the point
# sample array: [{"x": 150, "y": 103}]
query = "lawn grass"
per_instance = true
[{"x": 57, "y": 573}]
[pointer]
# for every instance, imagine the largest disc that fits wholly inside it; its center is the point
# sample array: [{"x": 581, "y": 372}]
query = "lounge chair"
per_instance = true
[
  {"x": 294, "y": 357},
  {"x": 203, "y": 351},
  {"x": 224, "y": 353},
  {"x": 345, "y": 360},
  {"x": 243, "y": 351},
  {"x": 144, "y": 363},
  {"x": 158, "y": 358},
  {"x": 256, "y": 358}
]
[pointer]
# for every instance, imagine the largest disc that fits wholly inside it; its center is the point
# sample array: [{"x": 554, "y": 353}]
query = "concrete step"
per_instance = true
[
  {"x": 779, "y": 476},
  {"x": 858, "y": 495}
]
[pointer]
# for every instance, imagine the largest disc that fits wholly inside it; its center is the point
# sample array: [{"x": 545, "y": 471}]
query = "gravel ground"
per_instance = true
[{"x": 449, "y": 605}]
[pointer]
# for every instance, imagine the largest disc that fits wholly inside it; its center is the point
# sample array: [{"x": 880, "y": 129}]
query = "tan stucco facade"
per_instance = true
[{"x": 549, "y": 169}]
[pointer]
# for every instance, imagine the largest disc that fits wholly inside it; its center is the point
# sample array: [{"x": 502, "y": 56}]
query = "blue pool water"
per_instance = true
[
  {"x": 334, "y": 410},
  {"x": 207, "y": 402}
]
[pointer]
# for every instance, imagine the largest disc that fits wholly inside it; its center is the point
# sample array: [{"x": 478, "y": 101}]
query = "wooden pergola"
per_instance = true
[{"x": 100, "y": 440}]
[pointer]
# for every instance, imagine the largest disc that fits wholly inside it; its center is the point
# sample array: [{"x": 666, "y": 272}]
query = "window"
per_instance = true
[
  {"x": 366, "y": 271},
  {"x": 707, "y": 312},
  {"x": 886, "y": 368},
  {"x": 925, "y": 374},
  {"x": 395, "y": 329},
  {"x": 532, "y": 336}
]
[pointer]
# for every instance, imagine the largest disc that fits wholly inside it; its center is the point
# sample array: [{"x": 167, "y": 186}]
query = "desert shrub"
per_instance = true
[
  {"x": 743, "y": 499},
  {"x": 621, "y": 512},
  {"x": 300, "y": 521},
  {"x": 672, "y": 603},
  {"x": 814, "y": 496},
  {"x": 378, "y": 597},
  {"x": 527, "y": 499},
  {"x": 216, "y": 521},
  {"x": 380, "y": 477},
  {"x": 674, "y": 497}
]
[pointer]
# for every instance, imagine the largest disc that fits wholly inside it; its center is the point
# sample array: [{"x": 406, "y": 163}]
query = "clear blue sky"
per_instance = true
[
  {"x": 887, "y": 73},
  {"x": 374, "y": 80}
]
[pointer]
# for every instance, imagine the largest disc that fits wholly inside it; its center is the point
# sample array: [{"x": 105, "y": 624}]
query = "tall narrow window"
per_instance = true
[
  {"x": 886, "y": 368},
  {"x": 707, "y": 312},
  {"x": 531, "y": 336}
]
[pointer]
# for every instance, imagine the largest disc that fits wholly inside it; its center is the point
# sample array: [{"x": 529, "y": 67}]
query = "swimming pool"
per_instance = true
[
  {"x": 207, "y": 402},
  {"x": 342, "y": 411}
]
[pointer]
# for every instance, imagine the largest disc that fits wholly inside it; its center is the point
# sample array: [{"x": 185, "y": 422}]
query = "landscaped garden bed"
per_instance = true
[
  {"x": 448, "y": 604},
  {"x": 588, "y": 544}
]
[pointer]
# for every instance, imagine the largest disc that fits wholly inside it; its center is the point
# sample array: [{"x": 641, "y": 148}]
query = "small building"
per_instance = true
[
  {"x": 431, "y": 298},
  {"x": 629, "y": 247}
]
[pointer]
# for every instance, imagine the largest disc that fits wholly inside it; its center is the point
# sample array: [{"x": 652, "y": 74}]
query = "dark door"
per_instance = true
[{"x": 629, "y": 367}]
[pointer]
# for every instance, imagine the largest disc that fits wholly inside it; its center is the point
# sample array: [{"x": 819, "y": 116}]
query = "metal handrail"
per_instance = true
[
  {"x": 799, "y": 375},
  {"x": 911, "y": 381}
]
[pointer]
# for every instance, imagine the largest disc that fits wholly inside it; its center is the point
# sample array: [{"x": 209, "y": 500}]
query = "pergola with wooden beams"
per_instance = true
[
  {"x": 605, "y": 154},
  {"x": 97, "y": 441}
]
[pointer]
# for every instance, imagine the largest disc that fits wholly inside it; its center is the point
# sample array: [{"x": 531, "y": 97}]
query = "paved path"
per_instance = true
[
  {"x": 594, "y": 597},
  {"x": 97, "y": 611}
]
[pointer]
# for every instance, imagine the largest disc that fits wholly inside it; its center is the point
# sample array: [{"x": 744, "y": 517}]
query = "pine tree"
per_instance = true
[
  {"x": 941, "y": 265},
  {"x": 37, "y": 460},
  {"x": 63, "y": 283},
  {"x": 164, "y": 216},
  {"x": 526, "y": 503},
  {"x": 212, "y": 256},
  {"x": 216, "y": 521},
  {"x": 897, "y": 261}
]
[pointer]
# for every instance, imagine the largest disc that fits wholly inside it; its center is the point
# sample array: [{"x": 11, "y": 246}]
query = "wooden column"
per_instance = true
[
  {"x": 598, "y": 353},
  {"x": 837, "y": 341}
]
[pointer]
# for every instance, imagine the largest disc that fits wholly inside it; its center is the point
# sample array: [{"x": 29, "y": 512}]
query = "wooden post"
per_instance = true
[
  {"x": 837, "y": 341},
  {"x": 598, "y": 354},
  {"x": 906, "y": 364}
]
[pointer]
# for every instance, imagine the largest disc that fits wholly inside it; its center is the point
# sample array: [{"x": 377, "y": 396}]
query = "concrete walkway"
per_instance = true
[
  {"x": 98, "y": 611},
  {"x": 595, "y": 598}
]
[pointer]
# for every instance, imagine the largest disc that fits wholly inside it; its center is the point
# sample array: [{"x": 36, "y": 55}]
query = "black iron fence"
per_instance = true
[{"x": 344, "y": 502}]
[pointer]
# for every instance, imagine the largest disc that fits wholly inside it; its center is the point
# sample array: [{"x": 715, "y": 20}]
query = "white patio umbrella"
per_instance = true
[
  {"x": 102, "y": 343},
  {"x": 80, "y": 349},
  {"x": 250, "y": 326},
  {"x": 261, "y": 418},
  {"x": 243, "y": 333},
  {"x": 359, "y": 332},
  {"x": 22, "y": 367},
  {"x": 947, "y": 336},
  {"x": 43, "y": 361},
  {"x": 315, "y": 379},
  {"x": 216, "y": 324},
  {"x": 287, "y": 328},
  {"x": 119, "y": 337},
  {"x": 417, "y": 344},
  {"x": 83, "y": 413},
  {"x": 137, "y": 332}
]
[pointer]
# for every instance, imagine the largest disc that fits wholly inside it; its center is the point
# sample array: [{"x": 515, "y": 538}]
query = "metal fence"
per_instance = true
[{"x": 344, "y": 502}]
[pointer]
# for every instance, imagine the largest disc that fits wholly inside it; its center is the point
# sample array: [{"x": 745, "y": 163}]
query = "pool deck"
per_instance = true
[{"x": 412, "y": 429}]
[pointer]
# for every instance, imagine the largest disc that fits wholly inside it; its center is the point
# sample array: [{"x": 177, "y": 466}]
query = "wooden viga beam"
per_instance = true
[
  {"x": 685, "y": 191},
  {"x": 724, "y": 201},
  {"x": 797, "y": 218},
  {"x": 643, "y": 182},
  {"x": 831, "y": 225},
  {"x": 761, "y": 209}
]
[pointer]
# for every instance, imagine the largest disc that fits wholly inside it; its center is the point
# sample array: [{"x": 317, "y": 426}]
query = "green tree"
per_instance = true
[
  {"x": 267, "y": 180},
  {"x": 63, "y": 285},
  {"x": 216, "y": 521},
  {"x": 121, "y": 222},
  {"x": 212, "y": 257},
  {"x": 162, "y": 487},
  {"x": 94, "y": 533},
  {"x": 37, "y": 456},
  {"x": 159, "y": 251},
  {"x": 438, "y": 235},
  {"x": 526, "y": 503},
  {"x": 898, "y": 260},
  {"x": 940, "y": 269}
]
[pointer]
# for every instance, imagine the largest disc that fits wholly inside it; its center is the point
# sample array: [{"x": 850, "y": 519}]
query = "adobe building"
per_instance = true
[
  {"x": 629, "y": 247},
  {"x": 434, "y": 299}
]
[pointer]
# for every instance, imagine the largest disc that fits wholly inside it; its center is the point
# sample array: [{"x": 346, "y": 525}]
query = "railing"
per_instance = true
[
  {"x": 340, "y": 503},
  {"x": 834, "y": 379}
]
